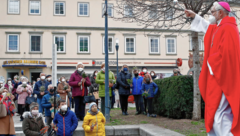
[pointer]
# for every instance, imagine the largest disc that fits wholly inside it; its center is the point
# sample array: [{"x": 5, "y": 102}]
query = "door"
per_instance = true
[
  {"x": 12, "y": 74},
  {"x": 34, "y": 76}
]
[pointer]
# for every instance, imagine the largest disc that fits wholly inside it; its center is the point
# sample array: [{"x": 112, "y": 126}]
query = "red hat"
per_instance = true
[{"x": 225, "y": 5}]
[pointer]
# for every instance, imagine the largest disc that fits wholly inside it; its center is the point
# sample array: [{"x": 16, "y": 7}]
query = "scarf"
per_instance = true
[{"x": 93, "y": 113}]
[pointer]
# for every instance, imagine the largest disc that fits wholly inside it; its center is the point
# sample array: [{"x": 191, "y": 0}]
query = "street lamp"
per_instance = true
[{"x": 117, "y": 47}]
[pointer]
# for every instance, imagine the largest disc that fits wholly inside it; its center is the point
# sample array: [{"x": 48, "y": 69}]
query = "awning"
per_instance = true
[{"x": 24, "y": 65}]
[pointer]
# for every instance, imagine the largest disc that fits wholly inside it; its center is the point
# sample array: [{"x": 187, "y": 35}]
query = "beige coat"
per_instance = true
[
  {"x": 63, "y": 93},
  {"x": 7, "y": 125}
]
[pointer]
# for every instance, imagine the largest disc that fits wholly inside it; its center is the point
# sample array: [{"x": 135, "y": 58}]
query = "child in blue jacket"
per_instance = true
[
  {"x": 148, "y": 87},
  {"x": 65, "y": 120}
]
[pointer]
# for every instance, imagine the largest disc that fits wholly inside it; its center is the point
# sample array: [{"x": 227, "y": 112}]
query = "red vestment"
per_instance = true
[{"x": 222, "y": 52}]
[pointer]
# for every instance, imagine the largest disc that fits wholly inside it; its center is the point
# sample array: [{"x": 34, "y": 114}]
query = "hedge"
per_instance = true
[{"x": 175, "y": 97}]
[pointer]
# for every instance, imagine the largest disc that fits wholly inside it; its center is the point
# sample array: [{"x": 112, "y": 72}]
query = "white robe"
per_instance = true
[{"x": 223, "y": 117}]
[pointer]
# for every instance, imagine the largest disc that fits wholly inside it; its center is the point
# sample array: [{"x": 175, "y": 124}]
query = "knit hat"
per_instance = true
[
  {"x": 225, "y": 5},
  {"x": 90, "y": 106},
  {"x": 32, "y": 105}
]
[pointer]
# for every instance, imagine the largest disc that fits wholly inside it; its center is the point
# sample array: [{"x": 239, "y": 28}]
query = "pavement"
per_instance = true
[{"x": 121, "y": 130}]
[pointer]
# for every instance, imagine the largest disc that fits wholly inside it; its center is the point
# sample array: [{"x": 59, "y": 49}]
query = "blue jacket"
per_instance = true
[
  {"x": 149, "y": 89},
  {"x": 66, "y": 124},
  {"x": 137, "y": 85},
  {"x": 122, "y": 82},
  {"x": 37, "y": 88},
  {"x": 46, "y": 104}
]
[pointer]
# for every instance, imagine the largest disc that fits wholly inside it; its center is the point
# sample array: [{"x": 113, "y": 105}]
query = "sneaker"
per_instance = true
[
  {"x": 148, "y": 115},
  {"x": 137, "y": 113},
  {"x": 126, "y": 113},
  {"x": 123, "y": 113},
  {"x": 144, "y": 113}
]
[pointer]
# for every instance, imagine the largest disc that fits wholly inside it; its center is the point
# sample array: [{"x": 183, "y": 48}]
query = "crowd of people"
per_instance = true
[{"x": 138, "y": 83}]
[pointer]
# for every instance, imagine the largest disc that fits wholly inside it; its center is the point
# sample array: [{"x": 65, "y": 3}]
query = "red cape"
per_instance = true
[{"x": 224, "y": 59}]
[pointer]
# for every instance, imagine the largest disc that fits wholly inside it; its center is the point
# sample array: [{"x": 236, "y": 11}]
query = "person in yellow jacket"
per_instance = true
[{"x": 94, "y": 122}]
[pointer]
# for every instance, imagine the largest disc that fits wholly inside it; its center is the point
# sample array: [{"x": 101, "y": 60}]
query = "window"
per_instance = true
[
  {"x": 60, "y": 41},
  {"x": 110, "y": 44},
  {"x": 171, "y": 46},
  {"x": 153, "y": 13},
  {"x": 109, "y": 10},
  {"x": 13, "y": 6},
  {"x": 83, "y": 9},
  {"x": 169, "y": 14},
  {"x": 129, "y": 44},
  {"x": 59, "y": 8},
  {"x": 154, "y": 45},
  {"x": 35, "y": 43},
  {"x": 34, "y": 7},
  {"x": 233, "y": 14},
  {"x": 83, "y": 44},
  {"x": 12, "y": 42},
  {"x": 128, "y": 11},
  {"x": 200, "y": 44}
]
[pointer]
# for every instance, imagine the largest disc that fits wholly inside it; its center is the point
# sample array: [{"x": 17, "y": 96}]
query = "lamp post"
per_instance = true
[
  {"x": 107, "y": 100},
  {"x": 117, "y": 47}
]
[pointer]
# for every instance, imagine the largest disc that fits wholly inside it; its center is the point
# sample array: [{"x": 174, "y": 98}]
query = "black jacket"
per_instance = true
[
  {"x": 124, "y": 87},
  {"x": 94, "y": 86}
]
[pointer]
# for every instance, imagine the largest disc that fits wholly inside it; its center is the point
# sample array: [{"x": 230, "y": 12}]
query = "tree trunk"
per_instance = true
[{"x": 196, "y": 66}]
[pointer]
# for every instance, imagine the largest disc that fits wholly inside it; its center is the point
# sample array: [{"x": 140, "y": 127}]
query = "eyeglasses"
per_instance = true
[{"x": 214, "y": 11}]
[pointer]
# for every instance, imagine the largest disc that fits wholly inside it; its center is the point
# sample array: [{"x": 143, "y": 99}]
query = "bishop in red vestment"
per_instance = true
[{"x": 219, "y": 80}]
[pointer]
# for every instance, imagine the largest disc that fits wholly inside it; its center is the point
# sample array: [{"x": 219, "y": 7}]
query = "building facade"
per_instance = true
[{"x": 29, "y": 28}]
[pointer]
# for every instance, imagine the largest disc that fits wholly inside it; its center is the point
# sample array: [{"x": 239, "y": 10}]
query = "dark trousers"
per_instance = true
[
  {"x": 139, "y": 103},
  {"x": 145, "y": 104},
  {"x": 124, "y": 102},
  {"x": 103, "y": 104},
  {"x": 150, "y": 106},
  {"x": 79, "y": 107},
  {"x": 21, "y": 109}
]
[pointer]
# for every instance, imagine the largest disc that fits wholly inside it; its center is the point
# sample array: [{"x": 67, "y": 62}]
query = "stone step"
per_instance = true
[{"x": 127, "y": 130}]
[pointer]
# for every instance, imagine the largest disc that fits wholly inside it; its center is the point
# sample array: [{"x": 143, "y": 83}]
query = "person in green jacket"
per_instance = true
[{"x": 100, "y": 79}]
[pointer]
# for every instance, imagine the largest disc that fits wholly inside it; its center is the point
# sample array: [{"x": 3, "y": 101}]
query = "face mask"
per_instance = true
[
  {"x": 95, "y": 74},
  {"x": 51, "y": 90},
  {"x": 35, "y": 112},
  {"x": 147, "y": 80},
  {"x": 125, "y": 69},
  {"x": 80, "y": 69},
  {"x": 42, "y": 77},
  {"x": 103, "y": 69},
  {"x": 49, "y": 79},
  {"x": 3, "y": 94},
  {"x": 64, "y": 108},
  {"x": 212, "y": 19},
  {"x": 152, "y": 74},
  {"x": 24, "y": 83},
  {"x": 145, "y": 71},
  {"x": 9, "y": 82},
  {"x": 63, "y": 80},
  {"x": 136, "y": 74}
]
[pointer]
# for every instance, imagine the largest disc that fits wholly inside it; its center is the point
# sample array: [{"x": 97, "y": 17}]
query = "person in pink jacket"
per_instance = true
[{"x": 23, "y": 91}]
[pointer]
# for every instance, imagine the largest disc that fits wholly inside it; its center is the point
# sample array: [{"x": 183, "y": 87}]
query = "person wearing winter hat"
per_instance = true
[
  {"x": 33, "y": 121},
  {"x": 94, "y": 122},
  {"x": 65, "y": 120},
  {"x": 49, "y": 78}
]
